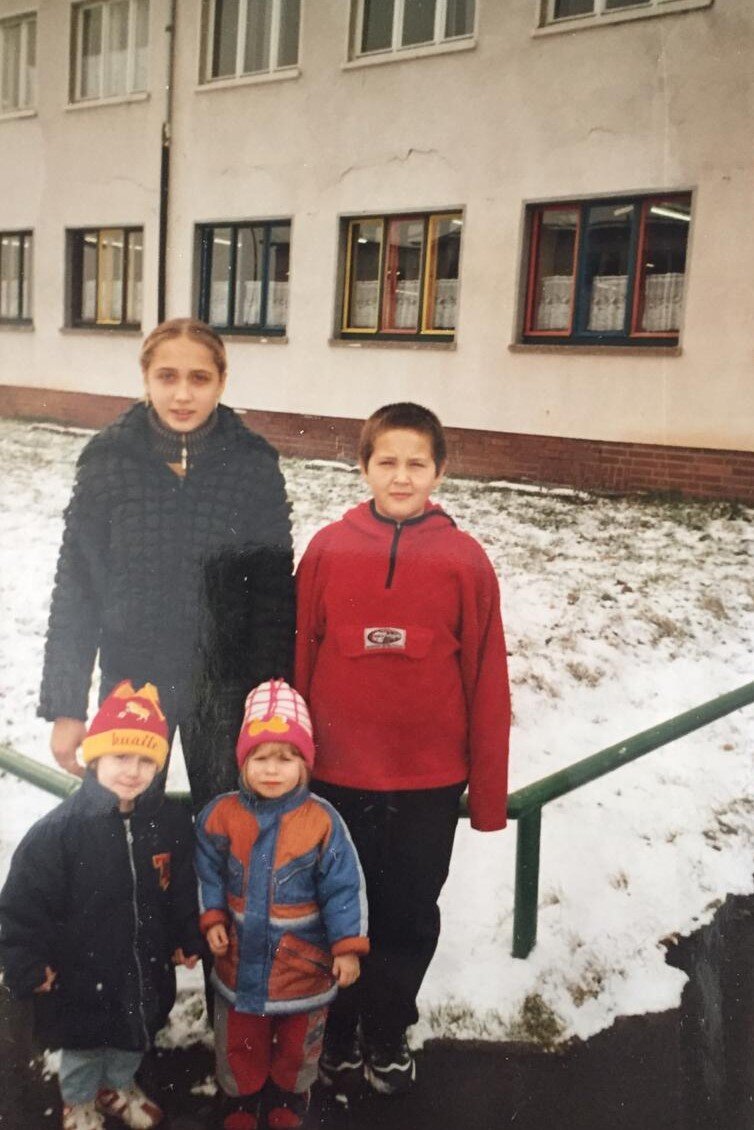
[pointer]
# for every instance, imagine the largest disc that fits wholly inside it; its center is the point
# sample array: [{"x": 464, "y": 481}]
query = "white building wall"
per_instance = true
[{"x": 650, "y": 104}]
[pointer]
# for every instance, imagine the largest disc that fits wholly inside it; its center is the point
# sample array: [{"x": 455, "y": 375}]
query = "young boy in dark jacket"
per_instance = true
[
  {"x": 99, "y": 905},
  {"x": 400, "y": 653}
]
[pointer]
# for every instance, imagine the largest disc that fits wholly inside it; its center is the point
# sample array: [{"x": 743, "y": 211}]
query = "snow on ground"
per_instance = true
[{"x": 619, "y": 614}]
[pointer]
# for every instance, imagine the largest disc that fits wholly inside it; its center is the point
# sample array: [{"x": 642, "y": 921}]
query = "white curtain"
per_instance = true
[
  {"x": 607, "y": 309},
  {"x": 277, "y": 303},
  {"x": 364, "y": 298},
  {"x": 218, "y": 304},
  {"x": 445, "y": 305},
  {"x": 554, "y": 306},
  {"x": 407, "y": 304},
  {"x": 663, "y": 296}
]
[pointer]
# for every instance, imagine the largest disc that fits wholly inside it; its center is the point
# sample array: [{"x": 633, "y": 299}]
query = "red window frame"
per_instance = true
[
  {"x": 637, "y": 306},
  {"x": 534, "y": 272}
]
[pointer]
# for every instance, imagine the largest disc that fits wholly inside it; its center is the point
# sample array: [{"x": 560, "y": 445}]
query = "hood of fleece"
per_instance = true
[{"x": 366, "y": 519}]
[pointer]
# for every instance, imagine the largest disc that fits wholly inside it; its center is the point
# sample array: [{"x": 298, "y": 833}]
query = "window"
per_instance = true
[
  {"x": 243, "y": 276},
  {"x": 16, "y": 253},
  {"x": 248, "y": 37},
  {"x": 608, "y": 271},
  {"x": 401, "y": 276},
  {"x": 18, "y": 63},
  {"x": 110, "y": 48},
  {"x": 106, "y": 274},
  {"x": 392, "y": 25},
  {"x": 555, "y": 10}
]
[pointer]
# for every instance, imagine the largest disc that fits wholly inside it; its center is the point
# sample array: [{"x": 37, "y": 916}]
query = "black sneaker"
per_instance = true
[
  {"x": 341, "y": 1067},
  {"x": 390, "y": 1067}
]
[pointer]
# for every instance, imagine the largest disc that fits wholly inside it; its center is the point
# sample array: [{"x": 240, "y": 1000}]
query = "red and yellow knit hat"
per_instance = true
[
  {"x": 275, "y": 712},
  {"x": 128, "y": 721}
]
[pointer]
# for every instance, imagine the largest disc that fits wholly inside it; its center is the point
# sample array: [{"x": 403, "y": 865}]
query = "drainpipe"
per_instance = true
[{"x": 165, "y": 167}]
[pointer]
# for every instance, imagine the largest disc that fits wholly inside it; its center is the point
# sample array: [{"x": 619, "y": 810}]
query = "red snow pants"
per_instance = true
[{"x": 250, "y": 1049}]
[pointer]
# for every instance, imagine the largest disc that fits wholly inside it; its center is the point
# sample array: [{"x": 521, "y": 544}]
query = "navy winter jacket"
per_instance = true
[
  {"x": 103, "y": 900},
  {"x": 184, "y": 583}
]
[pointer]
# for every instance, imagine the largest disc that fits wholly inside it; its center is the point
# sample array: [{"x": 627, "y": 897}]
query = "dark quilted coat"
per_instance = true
[
  {"x": 104, "y": 902},
  {"x": 185, "y": 583}
]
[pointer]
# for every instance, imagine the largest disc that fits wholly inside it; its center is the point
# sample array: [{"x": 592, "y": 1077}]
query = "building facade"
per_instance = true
[{"x": 530, "y": 215}]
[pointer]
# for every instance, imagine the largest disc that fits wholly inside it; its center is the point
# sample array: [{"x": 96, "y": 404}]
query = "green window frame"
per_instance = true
[
  {"x": 106, "y": 275},
  {"x": 401, "y": 276},
  {"x": 18, "y": 63},
  {"x": 608, "y": 271},
  {"x": 16, "y": 273},
  {"x": 244, "y": 270}
]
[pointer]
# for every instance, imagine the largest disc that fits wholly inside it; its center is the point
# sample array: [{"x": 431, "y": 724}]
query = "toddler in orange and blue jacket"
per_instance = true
[{"x": 283, "y": 908}]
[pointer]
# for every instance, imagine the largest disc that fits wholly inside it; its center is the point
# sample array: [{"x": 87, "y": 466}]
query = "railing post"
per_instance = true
[{"x": 527, "y": 882}]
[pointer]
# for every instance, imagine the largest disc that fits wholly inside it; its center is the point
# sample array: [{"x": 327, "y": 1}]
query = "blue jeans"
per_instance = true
[{"x": 85, "y": 1072}]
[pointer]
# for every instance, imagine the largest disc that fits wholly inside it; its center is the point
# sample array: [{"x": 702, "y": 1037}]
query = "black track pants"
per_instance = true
[{"x": 404, "y": 840}]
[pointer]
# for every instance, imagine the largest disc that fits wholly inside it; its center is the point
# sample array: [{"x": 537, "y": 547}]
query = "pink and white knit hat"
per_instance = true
[{"x": 275, "y": 712}]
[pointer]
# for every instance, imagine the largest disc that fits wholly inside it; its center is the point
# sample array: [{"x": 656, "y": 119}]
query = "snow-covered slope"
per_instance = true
[{"x": 619, "y": 614}]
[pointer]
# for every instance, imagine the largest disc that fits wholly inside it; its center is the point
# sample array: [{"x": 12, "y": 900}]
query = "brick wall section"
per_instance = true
[{"x": 691, "y": 472}]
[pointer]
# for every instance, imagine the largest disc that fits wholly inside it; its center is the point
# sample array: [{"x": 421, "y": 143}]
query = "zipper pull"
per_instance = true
[
  {"x": 184, "y": 456},
  {"x": 129, "y": 833}
]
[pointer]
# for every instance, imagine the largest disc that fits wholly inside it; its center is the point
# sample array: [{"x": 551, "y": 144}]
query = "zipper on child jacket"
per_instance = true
[
  {"x": 393, "y": 554},
  {"x": 135, "y": 904}
]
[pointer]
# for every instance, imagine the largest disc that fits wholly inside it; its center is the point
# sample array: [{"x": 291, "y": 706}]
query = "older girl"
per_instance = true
[{"x": 175, "y": 564}]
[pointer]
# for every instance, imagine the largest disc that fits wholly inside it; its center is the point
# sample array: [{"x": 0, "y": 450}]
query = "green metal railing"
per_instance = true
[{"x": 525, "y": 805}]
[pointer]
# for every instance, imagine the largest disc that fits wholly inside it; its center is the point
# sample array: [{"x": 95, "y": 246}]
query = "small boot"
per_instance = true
[
  {"x": 287, "y": 1109},
  {"x": 241, "y": 1113},
  {"x": 82, "y": 1116},
  {"x": 130, "y": 1106}
]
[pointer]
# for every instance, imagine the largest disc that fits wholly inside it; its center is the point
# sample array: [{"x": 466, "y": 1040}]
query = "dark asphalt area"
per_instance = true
[{"x": 690, "y": 1068}]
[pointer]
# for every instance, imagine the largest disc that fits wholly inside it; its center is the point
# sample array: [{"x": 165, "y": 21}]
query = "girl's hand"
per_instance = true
[
  {"x": 47, "y": 984},
  {"x": 346, "y": 969},
  {"x": 179, "y": 958},
  {"x": 217, "y": 939},
  {"x": 67, "y": 735}
]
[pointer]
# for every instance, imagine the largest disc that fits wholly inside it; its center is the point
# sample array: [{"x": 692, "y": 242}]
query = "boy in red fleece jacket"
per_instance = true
[{"x": 400, "y": 653}]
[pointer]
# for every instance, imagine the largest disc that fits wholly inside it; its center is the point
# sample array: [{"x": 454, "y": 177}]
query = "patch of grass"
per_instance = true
[
  {"x": 537, "y": 1023},
  {"x": 583, "y": 674},
  {"x": 619, "y": 881},
  {"x": 589, "y": 987},
  {"x": 714, "y": 605},
  {"x": 665, "y": 627}
]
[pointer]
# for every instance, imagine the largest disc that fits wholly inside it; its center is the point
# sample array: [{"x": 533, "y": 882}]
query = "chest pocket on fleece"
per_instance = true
[
  {"x": 294, "y": 882},
  {"x": 407, "y": 641}
]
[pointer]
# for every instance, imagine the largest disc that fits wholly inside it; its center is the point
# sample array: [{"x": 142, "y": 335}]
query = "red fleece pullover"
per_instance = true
[{"x": 401, "y": 656}]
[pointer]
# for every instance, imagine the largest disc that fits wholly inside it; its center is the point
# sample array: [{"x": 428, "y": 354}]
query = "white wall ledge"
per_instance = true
[
  {"x": 404, "y": 54},
  {"x": 233, "y": 83},
  {"x": 99, "y": 103}
]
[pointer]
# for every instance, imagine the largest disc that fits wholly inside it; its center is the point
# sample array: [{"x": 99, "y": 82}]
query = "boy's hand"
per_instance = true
[
  {"x": 346, "y": 969},
  {"x": 47, "y": 984},
  {"x": 179, "y": 958},
  {"x": 217, "y": 939},
  {"x": 67, "y": 735}
]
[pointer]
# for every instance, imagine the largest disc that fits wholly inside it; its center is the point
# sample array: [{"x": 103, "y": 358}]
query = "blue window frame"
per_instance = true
[
  {"x": 607, "y": 272},
  {"x": 243, "y": 276}
]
